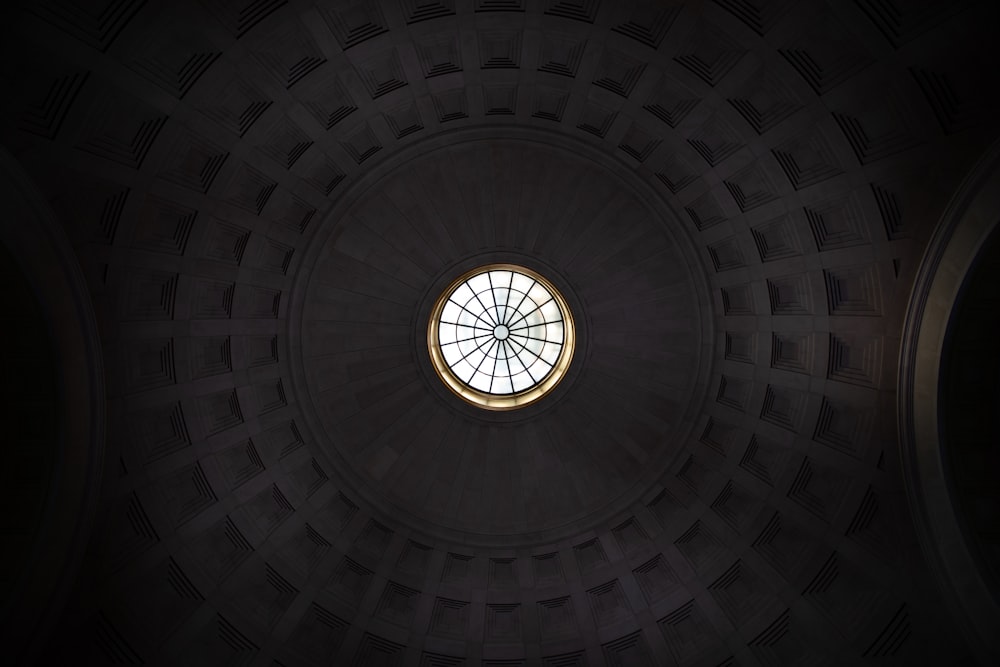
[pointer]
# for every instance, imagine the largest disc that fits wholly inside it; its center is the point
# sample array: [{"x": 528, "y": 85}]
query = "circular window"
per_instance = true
[{"x": 501, "y": 336}]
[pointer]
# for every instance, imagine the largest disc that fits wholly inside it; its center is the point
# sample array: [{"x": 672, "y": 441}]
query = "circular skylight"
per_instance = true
[{"x": 501, "y": 336}]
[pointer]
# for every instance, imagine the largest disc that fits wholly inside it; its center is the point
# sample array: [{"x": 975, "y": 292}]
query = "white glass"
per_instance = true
[{"x": 501, "y": 332}]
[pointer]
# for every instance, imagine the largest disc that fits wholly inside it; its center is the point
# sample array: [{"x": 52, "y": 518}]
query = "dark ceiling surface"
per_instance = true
[
  {"x": 736, "y": 195},
  {"x": 511, "y": 478}
]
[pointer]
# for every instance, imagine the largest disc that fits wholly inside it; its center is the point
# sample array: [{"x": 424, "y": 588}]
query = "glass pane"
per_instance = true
[
  {"x": 447, "y": 333},
  {"x": 521, "y": 381},
  {"x": 473, "y": 306},
  {"x": 550, "y": 311},
  {"x": 520, "y": 323},
  {"x": 502, "y": 385},
  {"x": 534, "y": 318},
  {"x": 467, "y": 346},
  {"x": 550, "y": 353},
  {"x": 476, "y": 358},
  {"x": 463, "y": 370},
  {"x": 480, "y": 285},
  {"x": 521, "y": 284},
  {"x": 501, "y": 284},
  {"x": 451, "y": 354},
  {"x": 464, "y": 333},
  {"x": 462, "y": 294},
  {"x": 451, "y": 312},
  {"x": 492, "y": 349},
  {"x": 465, "y": 318},
  {"x": 539, "y": 369},
  {"x": 481, "y": 381},
  {"x": 501, "y": 296},
  {"x": 539, "y": 295},
  {"x": 534, "y": 346},
  {"x": 497, "y": 313},
  {"x": 501, "y": 278},
  {"x": 514, "y": 362}
]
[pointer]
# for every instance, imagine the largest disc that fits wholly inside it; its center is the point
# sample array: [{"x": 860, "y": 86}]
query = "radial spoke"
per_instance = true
[
  {"x": 541, "y": 340},
  {"x": 478, "y": 347},
  {"x": 485, "y": 309},
  {"x": 524, "y": 316},
  {"x": 478, "y": 317},
  {"x": 459, "y": 324},
  {"x": 493, "y": 375},
  {"x": 525, "y": 350},
  {"x": 487, "y": 354},
  {"x": 493, "y": 296},
  {"x": 464, "y": 340},
  {"x": 528, "y": 326},
  {"x": 523, "y": 297},
  {"x": 506, "y": 305}
]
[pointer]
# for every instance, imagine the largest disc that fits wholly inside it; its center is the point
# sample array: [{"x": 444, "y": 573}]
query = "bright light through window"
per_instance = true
[{"x": 502, "y": 331}]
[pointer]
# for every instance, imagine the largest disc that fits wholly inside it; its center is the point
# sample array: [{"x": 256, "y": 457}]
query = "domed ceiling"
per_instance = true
[
  {"x": 265, "y": 200},
  {"x": 610, "y": 428}
]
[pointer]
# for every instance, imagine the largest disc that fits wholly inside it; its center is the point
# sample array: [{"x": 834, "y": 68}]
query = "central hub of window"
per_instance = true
[{"x": 501, "y": 336}]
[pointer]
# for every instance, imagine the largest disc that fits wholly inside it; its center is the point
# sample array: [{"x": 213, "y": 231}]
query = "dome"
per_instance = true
[
  {"x": 380, "y": 408},
  {"x": 242, "y": 436}
]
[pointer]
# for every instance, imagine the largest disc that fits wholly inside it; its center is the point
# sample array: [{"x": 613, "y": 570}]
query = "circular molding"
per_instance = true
[
  {"x": 502, "y": 337},
  {"x": 575, "y": 304},
  {"x": 316, "y": 421},
  {"x": 971, "y": 216}
]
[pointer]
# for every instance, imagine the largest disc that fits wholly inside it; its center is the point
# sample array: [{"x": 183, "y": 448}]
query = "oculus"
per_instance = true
[{"x": 501, "y": 336}]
